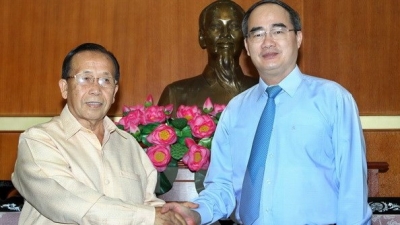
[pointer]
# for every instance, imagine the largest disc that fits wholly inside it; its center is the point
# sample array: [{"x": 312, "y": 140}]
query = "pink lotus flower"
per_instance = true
[
  {"x": 167, "y": 134},
  {"x": 168, "y": 110},
  {"x": 154, "y": 114},
  {"x": 160, "y": 156},
  {"x": 149, "y": 101},
  {"x": 217, "y": 109},
  {"x": 208, "y": 106},
  {"x": 162, "y": 135},
  {"x": 202, "y": 126},
  {"x": 127, "y": 109},
  {"x": 197, "y": 157},
  {"x": 188, "y": 112},
  {"x": 131, "y": 121}
]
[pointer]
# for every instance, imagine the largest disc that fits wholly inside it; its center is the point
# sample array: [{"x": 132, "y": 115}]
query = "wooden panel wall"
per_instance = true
[
  {"x": 356, "y": 44},
  {"x": 8, "y": 154},
  {"x": 155, "y": 41},
  {"x": 384, "y": 146},
  {"x": 352, "y": 42}
]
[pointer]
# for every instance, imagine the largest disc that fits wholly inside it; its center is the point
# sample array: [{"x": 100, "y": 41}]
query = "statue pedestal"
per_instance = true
[{"x": 183, "y": 189}]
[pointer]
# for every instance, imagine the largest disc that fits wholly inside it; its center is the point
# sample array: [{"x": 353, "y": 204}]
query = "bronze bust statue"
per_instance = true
[{"x": 221, "y": 34}]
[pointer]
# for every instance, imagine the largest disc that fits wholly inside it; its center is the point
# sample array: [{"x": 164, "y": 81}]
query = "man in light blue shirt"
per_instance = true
[{"x": 315, "y": 171}]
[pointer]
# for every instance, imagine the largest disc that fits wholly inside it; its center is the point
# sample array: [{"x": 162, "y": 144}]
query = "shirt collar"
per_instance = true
[
  {"x": 289, "y": 84},
  {"x": 72, "y": 126}
]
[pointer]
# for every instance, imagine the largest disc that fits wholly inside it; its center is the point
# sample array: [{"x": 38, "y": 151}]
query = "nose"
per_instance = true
[
  {"x": 95, "y": 87},
  {"x": 225, "y": 31},
  {"x": 268, "y": 41}
]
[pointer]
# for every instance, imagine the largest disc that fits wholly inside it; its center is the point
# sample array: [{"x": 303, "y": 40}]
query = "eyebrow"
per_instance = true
[
  {"x": 87, "y": 72},
  {"x": 108, "y": 74},
  {"x": 279, "y": 25},
  {"x": 91, "y": 72},
  {"x": 273, "y": 25},
  {"x": 256, "y": 29}
]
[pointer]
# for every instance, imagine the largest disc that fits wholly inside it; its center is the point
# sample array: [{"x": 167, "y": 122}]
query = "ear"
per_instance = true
[
  {"x": 62, "y": 83},
  {"x": 247, "y": 48},
  {"x": 299, "y": 38},
  {"x": 115, "y": 92},
  {"x": 202, "y": 40}
]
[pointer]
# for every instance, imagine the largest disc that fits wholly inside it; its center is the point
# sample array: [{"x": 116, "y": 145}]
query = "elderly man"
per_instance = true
[
  {"x": 79, "y": 168},
  {"x": 221, "y": 34}
]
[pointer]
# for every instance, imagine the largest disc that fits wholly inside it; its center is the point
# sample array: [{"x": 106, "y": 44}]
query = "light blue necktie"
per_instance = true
[{"x": 253, "y": 179}]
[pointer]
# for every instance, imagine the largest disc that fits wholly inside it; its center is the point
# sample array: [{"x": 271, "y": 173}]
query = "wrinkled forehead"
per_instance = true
[{"x": 92, "y": 61}]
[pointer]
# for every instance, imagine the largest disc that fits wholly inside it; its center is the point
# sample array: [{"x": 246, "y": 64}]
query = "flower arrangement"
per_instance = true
[{"x": 186, "y": 138}]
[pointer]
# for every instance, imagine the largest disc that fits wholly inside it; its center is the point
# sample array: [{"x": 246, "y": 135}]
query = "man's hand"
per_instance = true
[
  {"x": 191, "y": 217},
  {"x": 168, "y": 218}
]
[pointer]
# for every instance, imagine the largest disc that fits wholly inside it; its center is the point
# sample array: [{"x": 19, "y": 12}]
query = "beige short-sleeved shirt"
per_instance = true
[{"x": 67, "y": 176}]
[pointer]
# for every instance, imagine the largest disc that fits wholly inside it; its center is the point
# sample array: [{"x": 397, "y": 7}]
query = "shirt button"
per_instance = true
[
  {"x": 267, "y": 181},
  {"x": 106, "y": 181}
]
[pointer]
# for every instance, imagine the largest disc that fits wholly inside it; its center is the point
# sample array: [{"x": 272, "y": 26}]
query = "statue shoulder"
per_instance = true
[
  {"x": 250, "y": 81},
  {"x": 172, "y": 93},
  {"x": 186, "y": 83}
]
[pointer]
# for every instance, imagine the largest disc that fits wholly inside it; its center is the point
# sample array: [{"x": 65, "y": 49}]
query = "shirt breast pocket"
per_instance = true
[
  {"x": 129, "y": 175},
  {"x": 131, "y": 186},
  {"x": 313, "y": 139}
]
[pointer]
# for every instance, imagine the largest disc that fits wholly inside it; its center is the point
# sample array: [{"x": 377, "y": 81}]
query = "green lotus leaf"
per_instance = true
[
  {"x": 186, "y": 132},
  {"x": 144, "y": 140},
  {"x": 148, "y": 128},
  {"x": 206, "y": 142},
  {"x": 181, "y": 140},
  {"x": 178, "y": 151},
  {"x": 163, "y": 184},
  {"x": 179, "y": 123}
]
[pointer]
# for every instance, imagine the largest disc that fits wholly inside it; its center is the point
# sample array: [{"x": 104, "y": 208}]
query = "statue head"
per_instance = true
[{"x": 220, "y": 30}]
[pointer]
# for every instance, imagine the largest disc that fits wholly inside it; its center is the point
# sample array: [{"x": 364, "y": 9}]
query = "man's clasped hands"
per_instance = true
[{"x": 184, "y": 212}]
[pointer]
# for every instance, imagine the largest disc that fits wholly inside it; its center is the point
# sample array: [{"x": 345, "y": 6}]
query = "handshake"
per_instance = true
[{"x": 174, "y": 213}]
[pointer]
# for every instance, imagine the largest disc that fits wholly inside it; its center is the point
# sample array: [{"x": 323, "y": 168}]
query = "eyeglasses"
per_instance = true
[
  {"x": 277, "y": 33},
  {"x": 87, "y": 79}
]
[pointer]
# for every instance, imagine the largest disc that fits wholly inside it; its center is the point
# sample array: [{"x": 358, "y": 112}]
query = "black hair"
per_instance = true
[
  {"x": 294, "y": 15},
  {"x": 92, "y": 47}
]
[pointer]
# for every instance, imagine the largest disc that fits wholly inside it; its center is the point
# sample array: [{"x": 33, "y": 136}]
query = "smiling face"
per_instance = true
[
  {"x": 89, "y": 103},
  {"x": 274, "y": 59},
  {"x": 222, "y": 31}
]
